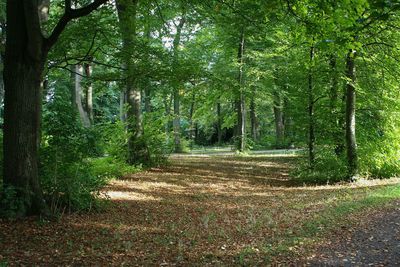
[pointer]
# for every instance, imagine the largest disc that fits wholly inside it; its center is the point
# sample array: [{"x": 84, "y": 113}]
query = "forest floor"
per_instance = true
[{"x": 219, "y": 210}]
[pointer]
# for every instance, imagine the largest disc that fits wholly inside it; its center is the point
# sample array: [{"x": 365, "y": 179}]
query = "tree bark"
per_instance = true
[
  {"x": 25, "y": 57},
  {"x": 122, "y": 102},
  {"x": 253, "y": 116},
  {"x": 167, "y": 105},
  {"x": 336, "y": 112},
  {"x": 191, "y": 113},
  {"x": 241, "y": 102},
  {"x": 1, "y": 80},
  {"x": 278, "y": 114},
  {"x": 23, "y": 69},
  {"x": 137, "y": 151},
  {"x": 311, "y": 122},
  {"x": 176, "y": 87},
  {"x": 351, "y": 143},
  {"x": 89, "y": 93},
  {"x": 219, "y": 123},
  {"x": 146, "y": 82},
  {"x": 76, "y": 80}
]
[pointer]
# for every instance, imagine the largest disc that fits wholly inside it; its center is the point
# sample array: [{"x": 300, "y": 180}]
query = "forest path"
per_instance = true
[
  {"x": 374, "y": 241},
  {"x": 200, "y": 210}
]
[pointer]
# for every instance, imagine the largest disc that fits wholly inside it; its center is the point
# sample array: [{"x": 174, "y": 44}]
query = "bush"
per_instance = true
[
  {"x": 114, "y": 141},
  {"x": 380, "y": 159},
  {"x": 328, "y": 168},
  {"x": 111, "y": 168},
  {"x": 67, "y": 176},
  {"x": 155, "y": 139}
]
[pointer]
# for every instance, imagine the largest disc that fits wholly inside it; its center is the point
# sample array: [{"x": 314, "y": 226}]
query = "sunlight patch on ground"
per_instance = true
[{"x": 119, "y": 195}]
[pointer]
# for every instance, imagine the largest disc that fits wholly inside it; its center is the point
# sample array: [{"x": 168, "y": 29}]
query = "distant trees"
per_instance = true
[{"x": 172, "y": 75}]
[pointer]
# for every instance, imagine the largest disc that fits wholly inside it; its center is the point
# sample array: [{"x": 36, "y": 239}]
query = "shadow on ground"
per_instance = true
[{"x": 219, "y": 210}]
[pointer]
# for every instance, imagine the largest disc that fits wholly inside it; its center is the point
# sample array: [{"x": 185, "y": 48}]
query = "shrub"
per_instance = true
[
  {"x": 328, "y": 168},
  {"x": 66, "y": 175}
]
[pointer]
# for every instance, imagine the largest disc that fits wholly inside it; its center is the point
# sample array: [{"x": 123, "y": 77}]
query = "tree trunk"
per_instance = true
[
  {"x": 219, "y": 123},
  {"x": 1, "y": 82},
  {"x": 2, "y": 46},
  {"x": 23, "y": 99},
  {"x": 177, "y": 122},
  {"x": 25, "y": 57},
  {"x": 278, "y": 114},
  {"x": 336, "y": 113},
  {"x": 122, "y": 101},
  {"x": 23, "y": 70},
  {"x": 146, "y": 83},
  {"x": 351, "y": 143},
  {"x": 311, "y": 133},
  {"x": 89, "y": 93},
  {"x": 76, "y": 77},
  {"x": 253, "y": 116},
  {"x": 191, "y": 113},
  {"x": 287, "y": 122},
  {"x": 137, "y": 152},
  {"x": 167, "y": 105},
  {"x": 241, "y": 102},
  {"x": 176, "y": 85}
]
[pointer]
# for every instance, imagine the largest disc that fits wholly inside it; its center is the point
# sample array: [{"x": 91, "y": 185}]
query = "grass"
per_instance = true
[
  {"x": 336, "y": 215},
  {"x": 215, "y": 210}
]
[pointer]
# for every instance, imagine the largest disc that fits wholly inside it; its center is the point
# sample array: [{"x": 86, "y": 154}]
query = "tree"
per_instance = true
[
  {"x": 25, "y": 59},
  {"x": 127, "y": 12},
  {"x": 351, "y": 114}
]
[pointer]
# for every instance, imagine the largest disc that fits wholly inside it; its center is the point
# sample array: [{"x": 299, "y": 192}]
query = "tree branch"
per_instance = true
[{"x": 69, "y": 15}]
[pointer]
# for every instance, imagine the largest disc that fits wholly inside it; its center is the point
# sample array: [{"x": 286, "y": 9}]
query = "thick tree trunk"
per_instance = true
[
  {"x": 136, "y": 146},
  {"x": 311, "y": 122},
  {"x": 23, "y": 69},
  {"x": 89, "y": 93},
  {"x": 2, "y": 46},
  {"x": 351, "y": 143},
  {"x": 1, "y": 82},
  {"x": 22, "y": 130},
  {"x": 241, "y": 102},
  {"x": 25, "y": 57},
  {"x": 137, "y": 152}
]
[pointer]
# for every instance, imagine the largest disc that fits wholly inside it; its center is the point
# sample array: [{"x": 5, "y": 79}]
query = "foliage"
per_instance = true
[
  {"x": 111, "y": 168},
  {"x": 9, "y": 203},
  {"x": 67, "y": 177},
  {"x": 328, "y": 168}
]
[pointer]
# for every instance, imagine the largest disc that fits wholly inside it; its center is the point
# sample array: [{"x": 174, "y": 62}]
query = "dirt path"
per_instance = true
[
  {"x": 373, "y": 242},
  {"x": 198, "y": 211}
]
